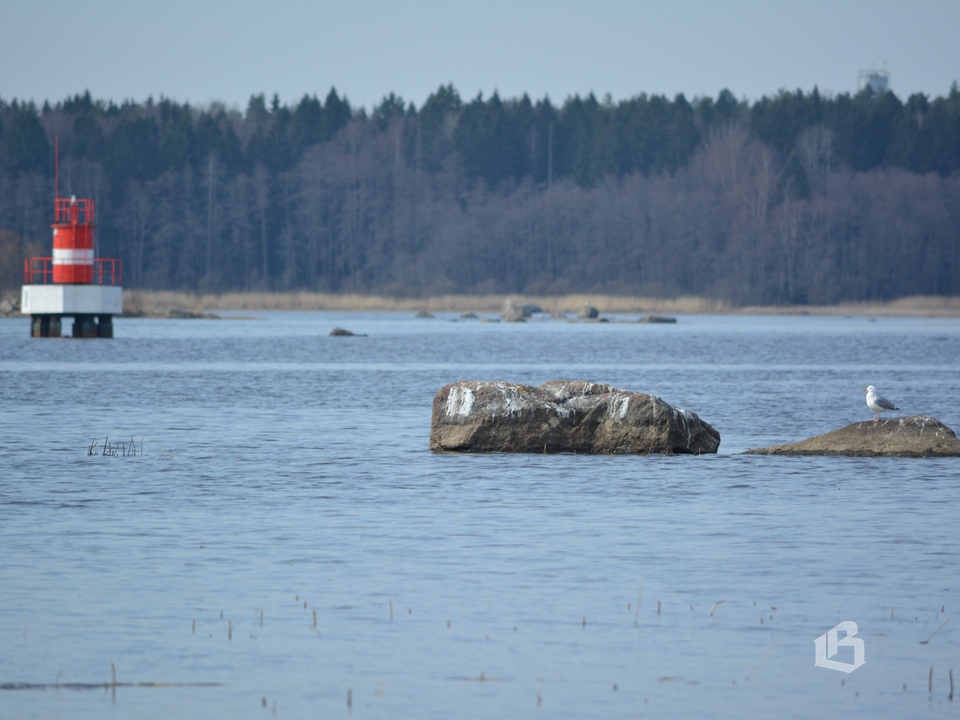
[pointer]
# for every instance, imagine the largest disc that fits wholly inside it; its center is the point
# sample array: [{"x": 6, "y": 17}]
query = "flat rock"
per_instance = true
[
  {"x": 563, "y": 417},
  {"x": 662, "y": 319},
  {"x": 911, "y": 436}
]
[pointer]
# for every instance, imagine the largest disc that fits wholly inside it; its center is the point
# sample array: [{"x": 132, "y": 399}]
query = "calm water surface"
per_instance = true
[{"x": 283, "y": 533}]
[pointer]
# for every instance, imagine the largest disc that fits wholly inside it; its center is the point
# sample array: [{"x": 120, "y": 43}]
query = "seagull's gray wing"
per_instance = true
[{"x": 884, "y": 403}]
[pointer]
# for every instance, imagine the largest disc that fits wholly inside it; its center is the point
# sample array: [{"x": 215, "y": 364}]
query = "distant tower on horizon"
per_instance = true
[{"x": 877, "y": 80}]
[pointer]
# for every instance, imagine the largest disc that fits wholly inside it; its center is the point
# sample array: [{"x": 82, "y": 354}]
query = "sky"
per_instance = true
[{"x": 203, "y": 51}]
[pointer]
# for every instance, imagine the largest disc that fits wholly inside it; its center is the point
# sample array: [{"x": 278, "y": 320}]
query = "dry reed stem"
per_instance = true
[
  {"x": 927, "y": 641},
  {"x": 760, "y": 662}
]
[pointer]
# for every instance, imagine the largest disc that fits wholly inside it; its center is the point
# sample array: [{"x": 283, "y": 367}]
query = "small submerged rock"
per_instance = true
[
  {"x": 563, "y": 417},
  {"x": 181, "y": 314},
  {"x": 340, "y": 332},
  {"x": 911, "y": 436},
  {"x": 667, "y": 319}
]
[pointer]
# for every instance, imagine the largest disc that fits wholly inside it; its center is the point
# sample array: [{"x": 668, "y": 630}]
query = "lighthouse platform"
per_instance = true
[{"x": 92, "y": 306}]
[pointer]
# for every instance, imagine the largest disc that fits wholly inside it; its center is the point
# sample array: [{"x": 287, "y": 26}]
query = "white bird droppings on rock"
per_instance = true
[{"x": 460, "y": 401}]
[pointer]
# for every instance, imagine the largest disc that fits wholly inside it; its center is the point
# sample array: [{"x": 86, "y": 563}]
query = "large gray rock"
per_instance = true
[
  {"x": 561, "y": 416},
  {"x": 912, "y": 436}
]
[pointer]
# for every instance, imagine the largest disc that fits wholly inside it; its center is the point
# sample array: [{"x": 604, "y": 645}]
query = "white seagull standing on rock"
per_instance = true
[{"x": 877, "y": 403}]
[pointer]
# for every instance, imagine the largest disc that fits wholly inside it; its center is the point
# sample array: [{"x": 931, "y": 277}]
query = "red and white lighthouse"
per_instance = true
[{"x": 74, "y": 282}]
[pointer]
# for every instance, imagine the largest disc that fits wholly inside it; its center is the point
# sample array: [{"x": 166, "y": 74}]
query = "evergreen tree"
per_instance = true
[
  {"x": 133, "y": 150},
  {"x": 88, "y": 138},
  {"x": 337, "y": 114},
  {"x": 176, "y": 137},
  {"x": 390, "y": 108},
  {"x": 25, "y": 145},
  {"x": 435, "y": 128},
  {"x": 307, "y": 125}
]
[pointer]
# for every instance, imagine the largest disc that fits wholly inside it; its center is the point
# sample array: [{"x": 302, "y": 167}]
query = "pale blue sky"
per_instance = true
[{"x": 205, "y": 50}]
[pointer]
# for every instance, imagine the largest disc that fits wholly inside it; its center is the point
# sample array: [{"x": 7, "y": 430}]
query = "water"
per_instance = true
[{"x": 285, "y": 473}]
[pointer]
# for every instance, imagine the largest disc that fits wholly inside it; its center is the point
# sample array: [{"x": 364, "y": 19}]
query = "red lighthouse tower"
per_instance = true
[
  {"x": 74, "y": 282},
  {"x": 74, "y": 221}
]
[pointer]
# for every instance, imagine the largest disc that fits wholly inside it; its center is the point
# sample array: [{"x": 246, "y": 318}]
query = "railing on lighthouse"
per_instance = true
[{"x": 73, "y": 260}]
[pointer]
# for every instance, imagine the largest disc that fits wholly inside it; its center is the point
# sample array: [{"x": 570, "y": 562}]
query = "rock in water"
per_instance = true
[
  {"x": 662, "y": 319},
  {"x": 912, "y": 436},
  {"x": 561, "y": 416},
  {"x": 512, "y": 312}
]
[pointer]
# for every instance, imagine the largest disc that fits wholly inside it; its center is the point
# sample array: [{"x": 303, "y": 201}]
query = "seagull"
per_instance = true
[{"x": 877, "y": 403}]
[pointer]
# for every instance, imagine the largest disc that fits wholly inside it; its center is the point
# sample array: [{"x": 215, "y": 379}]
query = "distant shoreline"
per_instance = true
[
  {"x": 166, "y": 303},
  {"x": 162, "y": 303}
]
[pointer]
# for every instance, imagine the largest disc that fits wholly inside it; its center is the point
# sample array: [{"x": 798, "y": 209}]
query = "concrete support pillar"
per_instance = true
[
  {"x": 45, "y": 325},
  {"x": 84, "y": 326},
  {"x": 105, "y": 326}
]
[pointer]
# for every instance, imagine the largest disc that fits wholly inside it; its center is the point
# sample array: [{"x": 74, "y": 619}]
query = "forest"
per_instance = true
[{"x": 792, "y": 199}]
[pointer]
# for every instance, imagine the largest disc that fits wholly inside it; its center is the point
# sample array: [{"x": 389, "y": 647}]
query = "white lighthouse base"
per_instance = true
[
  {"x": 48, "y": 304},
  {"x": 71, "y": 300}
]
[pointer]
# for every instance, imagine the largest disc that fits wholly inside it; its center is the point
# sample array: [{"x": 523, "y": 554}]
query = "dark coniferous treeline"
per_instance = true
[{"x": 794, "y": 198}]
